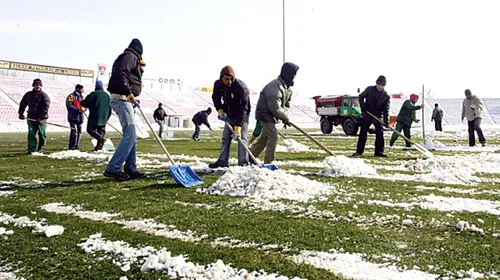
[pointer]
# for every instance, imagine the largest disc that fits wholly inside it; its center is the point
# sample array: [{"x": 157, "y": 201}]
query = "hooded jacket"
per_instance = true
[
  {"x": 126, "y": 74},
  {"x": 201, "y": 118},
  {"x": 274, "y": 99}
]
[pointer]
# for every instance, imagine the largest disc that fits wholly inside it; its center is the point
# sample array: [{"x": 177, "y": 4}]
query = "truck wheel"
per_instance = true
[
  {"x": 350, "y": 127},
  {"x": 326, "y": 126}
]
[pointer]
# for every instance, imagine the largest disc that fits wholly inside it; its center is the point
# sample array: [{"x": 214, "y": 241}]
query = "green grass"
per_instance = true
[{"x": 358, "y": 227}]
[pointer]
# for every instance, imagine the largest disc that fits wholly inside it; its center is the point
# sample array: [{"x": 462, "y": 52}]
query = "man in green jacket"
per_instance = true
[
  {"x": 100, "y": 111},
  {"x": 406, "y": 116}
]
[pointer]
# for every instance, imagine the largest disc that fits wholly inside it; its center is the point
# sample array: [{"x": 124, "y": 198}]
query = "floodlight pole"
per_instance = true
[{"x": 283, "y": 31}]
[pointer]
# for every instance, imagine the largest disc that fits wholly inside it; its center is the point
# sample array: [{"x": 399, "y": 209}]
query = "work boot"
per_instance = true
[
  {"x": 381, "y": 155},
  {"x": 99, "y": 145},
  {"x": 217, "y": 164},
  {"x": 135, "y": 175},
  {"x": 356, "y": 154},
  {"x": 117, "y": 175}
]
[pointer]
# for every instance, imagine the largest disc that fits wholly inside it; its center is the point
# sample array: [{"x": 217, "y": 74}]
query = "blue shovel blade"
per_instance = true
[
  {"x": 184, "y": 175},
  {"x": 269, "y": 166}
]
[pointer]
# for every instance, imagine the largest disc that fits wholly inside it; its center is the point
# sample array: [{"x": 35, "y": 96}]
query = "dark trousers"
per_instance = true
[
  {"x": 363, "y": 135},
  {"x": 438, "y": 125},
  {"x": 98, "y": 134},
  {"x": 196, "y": 134},
  {"x": 75, "y": 135},
  {"x": 475, "y": 126},
  {"x": 406, "y": 132}
]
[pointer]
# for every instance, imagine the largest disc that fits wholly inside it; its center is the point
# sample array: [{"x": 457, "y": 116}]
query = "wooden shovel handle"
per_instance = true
[{"x": 313, "y": 139}]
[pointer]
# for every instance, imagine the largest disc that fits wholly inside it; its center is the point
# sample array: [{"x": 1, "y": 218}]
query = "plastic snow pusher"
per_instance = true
[
  {"x": 269, "y": 166},
  {"x": 182, "y": 173},
  {"x": 419, "y": 147}
]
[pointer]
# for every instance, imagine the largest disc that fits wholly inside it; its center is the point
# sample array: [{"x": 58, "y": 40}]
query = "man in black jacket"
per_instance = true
[
  {"x": 159, "y": 117},
  {"x": 125, "y": 86},
  {"x": 38, "y": 103},
  {"x": 376, "y": 101},
  {"x": 198, "y": 119},
  {"x": 232, "y": 102}
]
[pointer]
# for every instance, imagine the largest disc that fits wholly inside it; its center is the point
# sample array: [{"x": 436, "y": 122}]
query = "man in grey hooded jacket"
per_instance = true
[
  {"x": 273, "y": 106},
  {"x": 472, "y": 109}
]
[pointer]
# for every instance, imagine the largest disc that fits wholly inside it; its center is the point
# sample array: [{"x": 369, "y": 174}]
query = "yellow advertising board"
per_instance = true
[{"x": 46, "y": 69}]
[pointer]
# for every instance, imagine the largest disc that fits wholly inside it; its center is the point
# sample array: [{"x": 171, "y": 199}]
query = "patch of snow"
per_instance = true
[
  {"x": 441, "y": 203},
  {"x": 352, "y": 266},
  {"x": 174, "y": 266},
  {"x": 262, "y": 183},
  {"x": 4, "y": 231},
  {"x": 6, "y": 193}
]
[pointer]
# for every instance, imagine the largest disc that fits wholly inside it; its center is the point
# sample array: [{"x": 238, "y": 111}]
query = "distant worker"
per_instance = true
[
  {"x": 38, "y": 103},
  {"x": 198, "y": 119},
  {"x": 232, "y": 102},
  {"x": 273, "y": 106},
  {"x": 407, "y": 115},
  {"x": 437, "y": 117},
  {"x": 98, "y": 103},
  {"x": 75, "y": 116},
  {"x": 472, "y": 109},
  {"x": 373, "y": 99},
  {"x": 159, "y": 117}
]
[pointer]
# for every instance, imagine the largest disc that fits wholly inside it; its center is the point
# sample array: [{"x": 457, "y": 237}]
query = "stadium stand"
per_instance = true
[{"x": 181, "y": 105}]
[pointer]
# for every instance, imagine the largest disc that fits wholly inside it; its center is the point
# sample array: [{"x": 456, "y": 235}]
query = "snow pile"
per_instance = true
[
  {"x": 342, "y": 166},
  {"x": 162, "y": 260},
  {"x": 38, "y": 227},
  {"x": 60, "y": 208},
  {"x": 292, "y": 146},
  {"x": 457, "y": 169},
  {"x": 352, "y": 266},
  {"x": 464, "y": 225},
  {"x": 262, "y": 183}
]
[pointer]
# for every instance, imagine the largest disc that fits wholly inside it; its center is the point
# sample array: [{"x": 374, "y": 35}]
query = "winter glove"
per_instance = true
[
  {"x": 473, "y": 107},
  {"x": 22, "y": 117},
  {"x": 432, "y": 119},
  {"x": 416, "y": 120},
  {"x": 222, "y": 116},
  {"x": 418, "y": 107},
  {"x": 39, "y": 121},
  {"x": 250, "y": 141},
  {"x": 286, "y": 124},
  {"x": 81, "y": 110},
  {"x": 236, "y": 132},
  {"x": 131, "y": 97}
]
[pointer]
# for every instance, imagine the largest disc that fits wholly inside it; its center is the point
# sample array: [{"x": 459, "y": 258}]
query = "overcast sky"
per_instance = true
[{"x": 339, "y": 45}]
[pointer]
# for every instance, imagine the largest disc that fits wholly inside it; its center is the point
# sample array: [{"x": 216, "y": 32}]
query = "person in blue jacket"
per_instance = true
[{"x": 75, "y": 116}]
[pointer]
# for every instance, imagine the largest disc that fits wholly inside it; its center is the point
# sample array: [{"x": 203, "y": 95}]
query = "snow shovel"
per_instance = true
[
  {"x": 49, "y": 123},
  {"x": 312, "y": 139},
  {"x": 419, "y": 147},
  {"x": 269, "y": 166},
  {"x": 182, "y": 173}
]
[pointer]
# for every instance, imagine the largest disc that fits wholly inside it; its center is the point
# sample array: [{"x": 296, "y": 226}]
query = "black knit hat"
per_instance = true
[
  {"x": 209, "y": 110},
  {"x": 381, "y": 80},
  {"x": 136, "y": 45},
  {"x": 37, "y": 81}
]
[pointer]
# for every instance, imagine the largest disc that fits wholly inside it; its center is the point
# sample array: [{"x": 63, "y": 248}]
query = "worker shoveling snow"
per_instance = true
[{"x": 261, "y": 183}]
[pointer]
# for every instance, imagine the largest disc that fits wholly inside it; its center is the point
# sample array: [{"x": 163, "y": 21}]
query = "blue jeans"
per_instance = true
[
  {"x": 226, "y": 144},
  {"x": 125, "y": 152}
]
